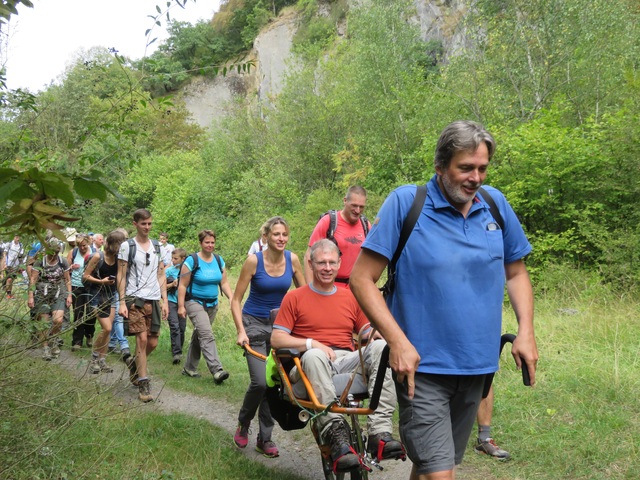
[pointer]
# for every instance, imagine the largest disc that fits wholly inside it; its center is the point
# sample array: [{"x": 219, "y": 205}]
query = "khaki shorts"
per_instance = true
[{"x": 140, "y": 318}]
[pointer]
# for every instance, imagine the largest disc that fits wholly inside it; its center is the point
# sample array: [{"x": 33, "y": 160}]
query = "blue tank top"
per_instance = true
[{"x": 266, "y": 291}]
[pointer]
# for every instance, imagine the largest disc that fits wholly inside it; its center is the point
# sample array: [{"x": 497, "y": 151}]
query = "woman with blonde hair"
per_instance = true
[{"x": 270, "y": 273}]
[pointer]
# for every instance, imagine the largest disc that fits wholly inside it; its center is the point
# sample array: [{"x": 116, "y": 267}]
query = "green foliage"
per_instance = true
[
  {"x": 256, "y": 19},
  {"x": 9, "y": 7}
]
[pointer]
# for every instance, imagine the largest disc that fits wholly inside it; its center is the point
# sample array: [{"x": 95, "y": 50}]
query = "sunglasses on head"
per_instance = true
[{"x": 148, "y": 259}]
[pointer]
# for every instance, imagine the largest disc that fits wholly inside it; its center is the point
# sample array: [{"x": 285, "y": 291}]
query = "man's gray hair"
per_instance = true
[
  {"x": 322, "y": 245},
  {"x": 461, "y": 136}
]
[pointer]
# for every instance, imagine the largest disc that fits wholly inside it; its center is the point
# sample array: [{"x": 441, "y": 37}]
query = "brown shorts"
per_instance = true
[{"x": 140, "y": 319}]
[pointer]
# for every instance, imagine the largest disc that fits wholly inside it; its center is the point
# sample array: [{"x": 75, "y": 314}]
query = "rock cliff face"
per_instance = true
[{"x": 208, "y": 98}]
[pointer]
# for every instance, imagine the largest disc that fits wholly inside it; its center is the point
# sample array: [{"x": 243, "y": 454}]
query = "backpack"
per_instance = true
[
  {"x": 196, "y": 266},
  {"x": 410, "y": 222},
  {"x": 333, "y": 224},
  {"x": 132, "y": 255}
]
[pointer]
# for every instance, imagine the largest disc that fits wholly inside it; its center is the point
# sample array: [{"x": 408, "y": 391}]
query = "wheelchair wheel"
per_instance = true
[
  {"x": 355, "y": 475},
  {"x": 329, "y": 475}
]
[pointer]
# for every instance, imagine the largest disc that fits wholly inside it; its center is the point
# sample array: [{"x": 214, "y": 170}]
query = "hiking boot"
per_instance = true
[
  {"x": 489, "y": 447},
  {"x": 220, "y": 376},
  {"x": 343, "y": 455},
  {"x": 241, "y": 438},
  {"x": 189, "y": 373},
  {"x": 144, "y": 390},
  {"x": 383, "y": 446},
  {"x": 89, "y": 341},
  {"x": 104, "y": 368},
  {"x": 76, "y": 347},
  {"x": 111, "y": 349},
  {"x": 60, "y": 341},
  {"x": 94, "y": 366},
  {"x": 125, "y": 353},
  {"x": 46, "y": 355},
  {"x": 176, "y": 359},
  {"x": 133, "y": 370},
  {"x": 55, "y": 351},
  {"x": 267, "y": 448}
]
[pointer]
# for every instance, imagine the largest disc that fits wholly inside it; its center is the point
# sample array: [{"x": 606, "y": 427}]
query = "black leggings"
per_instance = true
[{"x": 84, "y": 318}]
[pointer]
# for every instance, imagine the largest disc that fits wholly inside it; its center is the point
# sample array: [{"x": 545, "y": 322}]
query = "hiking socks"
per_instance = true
[{"x": 484, "y": 432}]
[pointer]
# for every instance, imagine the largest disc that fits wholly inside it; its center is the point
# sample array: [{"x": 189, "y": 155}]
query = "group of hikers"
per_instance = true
[{"x": 451, "y": 246}]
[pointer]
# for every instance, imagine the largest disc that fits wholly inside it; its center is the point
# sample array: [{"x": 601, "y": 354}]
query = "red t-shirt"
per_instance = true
[
  {"x": 330, "y": 319},
  {"x": 349, "y": 237}
]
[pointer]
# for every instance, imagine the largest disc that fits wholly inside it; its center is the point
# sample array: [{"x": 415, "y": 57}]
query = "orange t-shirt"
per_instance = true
[{"x": 330, "y": 319}]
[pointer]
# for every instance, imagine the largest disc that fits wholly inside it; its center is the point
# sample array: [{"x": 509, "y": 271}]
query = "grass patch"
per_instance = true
[{"x": 54, "y": 426}]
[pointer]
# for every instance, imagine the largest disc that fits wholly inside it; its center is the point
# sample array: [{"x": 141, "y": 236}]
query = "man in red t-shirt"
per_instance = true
[
  {"x": 319, "y": 320},
  {"x": 349, "y": 233}
]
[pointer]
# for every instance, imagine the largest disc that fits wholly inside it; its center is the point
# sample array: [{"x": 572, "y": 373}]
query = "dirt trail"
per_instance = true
[{"x": 298, "y": 451}]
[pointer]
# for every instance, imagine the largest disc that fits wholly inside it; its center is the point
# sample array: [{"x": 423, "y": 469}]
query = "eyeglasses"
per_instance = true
[
  {"x": 326, "y": 264},
  {"x": 148, "y": 259}
]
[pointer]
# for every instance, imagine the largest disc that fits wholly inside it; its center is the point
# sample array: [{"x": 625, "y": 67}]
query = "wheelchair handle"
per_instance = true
[
  {"x": 510, "y": 338},
  {"x": 382, "y": 371}
]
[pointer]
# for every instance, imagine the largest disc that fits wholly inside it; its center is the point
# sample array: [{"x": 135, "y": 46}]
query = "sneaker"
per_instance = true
[
  {"x": 76, "y": 347},
  {"x": 267, "y": 448},
  {"x": 133, "y": 370},
  {"x": 241, "y": 438},
  {"x": 343, "y": 455},
  {"x": 489, "y": 447},
  {"x": 144, "y": 391},
  {"x": 111, "y": 349},
  {"x": 383, "y": 446},
  {"x": 191, "y": 374},
  {"x": 125, "y": 353},
  {"x": 220, "y": 376},
  {"x": 176, "y": 359},
  {"x": 94, "y": 366},
  {"x": 55, "y": 350},
  {"x": 46, "y": 355},
  {"x": 104, "y": 368}
]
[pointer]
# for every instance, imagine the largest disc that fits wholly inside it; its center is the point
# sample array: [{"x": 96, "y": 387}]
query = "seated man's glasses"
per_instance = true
[{"x": 326, "y": 264}]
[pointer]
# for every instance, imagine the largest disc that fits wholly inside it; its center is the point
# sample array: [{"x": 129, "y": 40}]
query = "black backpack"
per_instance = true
[
  {"x": 132, "y": 255},
  {"x": 196, "y": 266},
  {"x": 333, "y": 224},
  {"x": 410, "y": 222}
]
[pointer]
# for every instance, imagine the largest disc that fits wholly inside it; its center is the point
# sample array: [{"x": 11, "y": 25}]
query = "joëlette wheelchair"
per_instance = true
[
  {"x": 293, "y": 412},
  {"x": 294, "y": 408}
]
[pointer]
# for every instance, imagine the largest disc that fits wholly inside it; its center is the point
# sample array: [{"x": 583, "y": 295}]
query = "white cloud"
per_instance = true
[{"x": 43, "y": 39}]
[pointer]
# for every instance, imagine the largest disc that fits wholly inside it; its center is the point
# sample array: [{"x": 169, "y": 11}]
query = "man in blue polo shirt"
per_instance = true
[{"x": 443, "y": 319}]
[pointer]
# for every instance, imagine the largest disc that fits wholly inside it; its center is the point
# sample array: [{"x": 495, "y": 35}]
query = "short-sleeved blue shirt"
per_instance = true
[
  {"x": 172, "y": 272},
  {"x": 206, "y": 281},
  {"x": 450, "y": 277}
]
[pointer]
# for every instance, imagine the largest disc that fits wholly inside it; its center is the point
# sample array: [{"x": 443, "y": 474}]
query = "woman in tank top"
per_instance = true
[
  {"x": 270, "y": 273},
  {"x": 101, "y": 272}
]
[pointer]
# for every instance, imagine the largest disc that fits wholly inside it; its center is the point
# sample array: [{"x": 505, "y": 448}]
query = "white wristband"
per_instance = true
[{"x": 309, "y": 341}]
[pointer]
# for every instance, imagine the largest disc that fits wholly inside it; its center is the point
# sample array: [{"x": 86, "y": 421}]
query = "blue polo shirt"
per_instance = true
[{"x": 450, "y": 277}]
